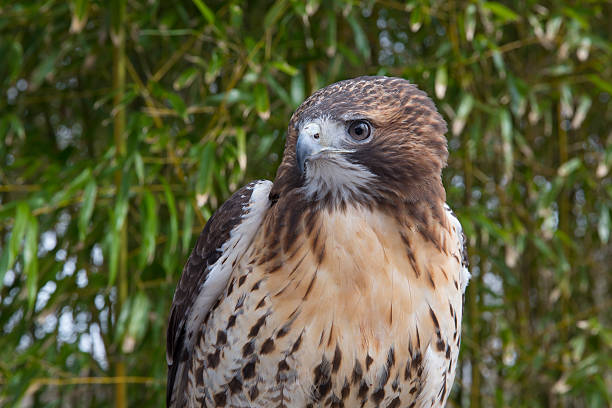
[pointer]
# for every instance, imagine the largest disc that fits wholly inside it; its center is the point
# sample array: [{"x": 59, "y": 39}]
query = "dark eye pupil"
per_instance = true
[{"x": 359, "y": 130}]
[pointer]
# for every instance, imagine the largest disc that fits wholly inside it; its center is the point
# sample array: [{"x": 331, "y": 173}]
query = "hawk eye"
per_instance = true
[{"x": 360, "y": 130}]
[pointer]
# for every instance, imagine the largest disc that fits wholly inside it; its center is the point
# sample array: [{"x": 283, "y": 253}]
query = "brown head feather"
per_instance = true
[{"x": 408, "y": 149}]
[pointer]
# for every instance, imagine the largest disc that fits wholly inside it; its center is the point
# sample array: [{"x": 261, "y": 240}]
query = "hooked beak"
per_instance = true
[{"x": 312, "y": 144}]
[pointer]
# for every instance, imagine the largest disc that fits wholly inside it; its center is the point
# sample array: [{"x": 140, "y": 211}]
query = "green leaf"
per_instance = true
[
  {"x": 206, "y": 12},
  {"x": 177, "y": 103},
  {"x": 332, "y": 33},
  {"x": 274, "y": 13},
  {"x": 19, "y": 228},
  {"x": 241, "y": 148},
  {"x": 4, "y": 264},
  {"x": 149, "y": 229},
  {"x": 262, "y": 101},
  {"x": 507, "y": 146},
  {"x": 602, "y": 84},
  {"x": 470, "y": 22},
  {"x": 464, "y": 109},
  {"x": 441, "y": 81},
  {"x": 68, "y": 192},
  {"x": 186, "y": 78},
  {"x": 13, "y": 60},
  {"x": 89, "y": 200},
  {"x": 283, "y": 66},
  {"x": 114, "y": 243},
  {"x": 187, "y": 225},
  {"x": 581, "y": 111},
  {"x": 278, "y": 89},
  {"x": 207, "y": 161},
  {"x": 361, "y": 40},
  {"x": 138, "y": 322},
  {"x": 569, "y": 167},
  {"x": 603, "y": 225},
  {"x": 416, "y": 19},
  {"x": 44, "y": 68},
  {"x": 121, "y": 204},
  {"x": 139, "y": 167},
  {"x": 121, "y": 209},
  {"x": 79, "y": 15},
  {"x": 123, "y": 320},
  {"x": 297, "y": 89},
  {"x": 213, "y": 67},
  {"x": 173, "y": 235},
  {"x": 30, "y": 260},
  {"x": 544, "y": 248},
  {"x": 501, "y": 11},
  {"x": 173, "y": 99}
]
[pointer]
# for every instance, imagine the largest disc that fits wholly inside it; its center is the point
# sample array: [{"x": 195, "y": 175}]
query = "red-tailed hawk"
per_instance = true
[{"x": 339, "y": 284}]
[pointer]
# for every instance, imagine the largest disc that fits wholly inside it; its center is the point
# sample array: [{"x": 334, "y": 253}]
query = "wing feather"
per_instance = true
[{"x": 206, "y": 273}]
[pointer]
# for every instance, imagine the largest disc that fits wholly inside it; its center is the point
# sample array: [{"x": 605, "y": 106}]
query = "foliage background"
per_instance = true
[{"x": 124, "y": 124}]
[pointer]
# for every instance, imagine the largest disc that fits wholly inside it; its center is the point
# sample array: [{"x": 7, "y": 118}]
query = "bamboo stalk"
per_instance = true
[
  {"x": 119, "y": 58},
  {"x": 564, "y": 215}
]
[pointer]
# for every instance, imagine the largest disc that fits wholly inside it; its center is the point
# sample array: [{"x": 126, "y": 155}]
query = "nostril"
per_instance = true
[{"x": 316, "y": 135}]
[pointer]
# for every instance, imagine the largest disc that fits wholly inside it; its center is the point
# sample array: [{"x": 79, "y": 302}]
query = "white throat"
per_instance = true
[{"x": 335, "y": 175}]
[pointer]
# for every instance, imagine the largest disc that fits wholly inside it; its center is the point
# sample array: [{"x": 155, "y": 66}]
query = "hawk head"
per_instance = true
[{"x": 367, "y": 140}]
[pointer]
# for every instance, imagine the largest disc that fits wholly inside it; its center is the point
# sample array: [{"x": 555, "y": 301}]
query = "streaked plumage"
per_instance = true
[{"x": 341, "y": 283}]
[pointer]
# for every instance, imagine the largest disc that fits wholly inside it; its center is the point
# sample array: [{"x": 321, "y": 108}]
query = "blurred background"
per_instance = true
[{"x": 124, "y": 124}]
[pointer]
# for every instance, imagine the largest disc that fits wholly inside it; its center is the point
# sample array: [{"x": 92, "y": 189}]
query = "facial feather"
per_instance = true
[{"x": 405, "y": 155}]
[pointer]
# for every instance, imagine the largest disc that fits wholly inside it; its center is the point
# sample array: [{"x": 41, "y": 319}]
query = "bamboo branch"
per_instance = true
[{"x": 60, "y": 382}]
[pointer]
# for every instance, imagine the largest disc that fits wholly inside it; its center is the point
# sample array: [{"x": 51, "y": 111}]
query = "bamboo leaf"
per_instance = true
[
  {"x": 441, "y": 81},
  {"x": 173, "y": 237},
  {"x": 87, "y": 208},
  {"x": 123, "y": 320},
  {"x": 44, "y": 68},
  {"x": 262, "y": 101},
  {"x": 332, "y": 33},
  {"x": 114, "y": 243},
  {"x": 280, "y": 91},
  {"x": 206, "y": 12},
  {"x": 283, "y": 66},
  {"x": 138, "y": 322},
  {"x": 507, "y": 144},
  {"x": 602, "y": 84},
  {"x": 121, "y": 204},
  {"x": 603, "y": 225},
  {"x": 569, "y": 167},
  {"x": 186, "y": 78},
  {"x": 149, "y": 229},
  {"x": 470, "y": 22},
  {"x": 187, "y": 225},
  {"x": 30, "y": 260},
  {"x": 18, "y": 232},
  {"x": 581, "y": 111},
  {"x": 297, "y": 89},
  {"x": 13, "y": 60},
  {"x": 204, "y": 177},
  {"x": 464, "y": 109},
  {"x": 274, "y": 13},
  {"x": 139, "y": 167},
  {"x": 501, "y": 11},
  {"x": 361, "y": 40},
  {"x": 416, "y": 19},
  {"x": 80, "y": 9},
  {"x": 241, "y": 148}
]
